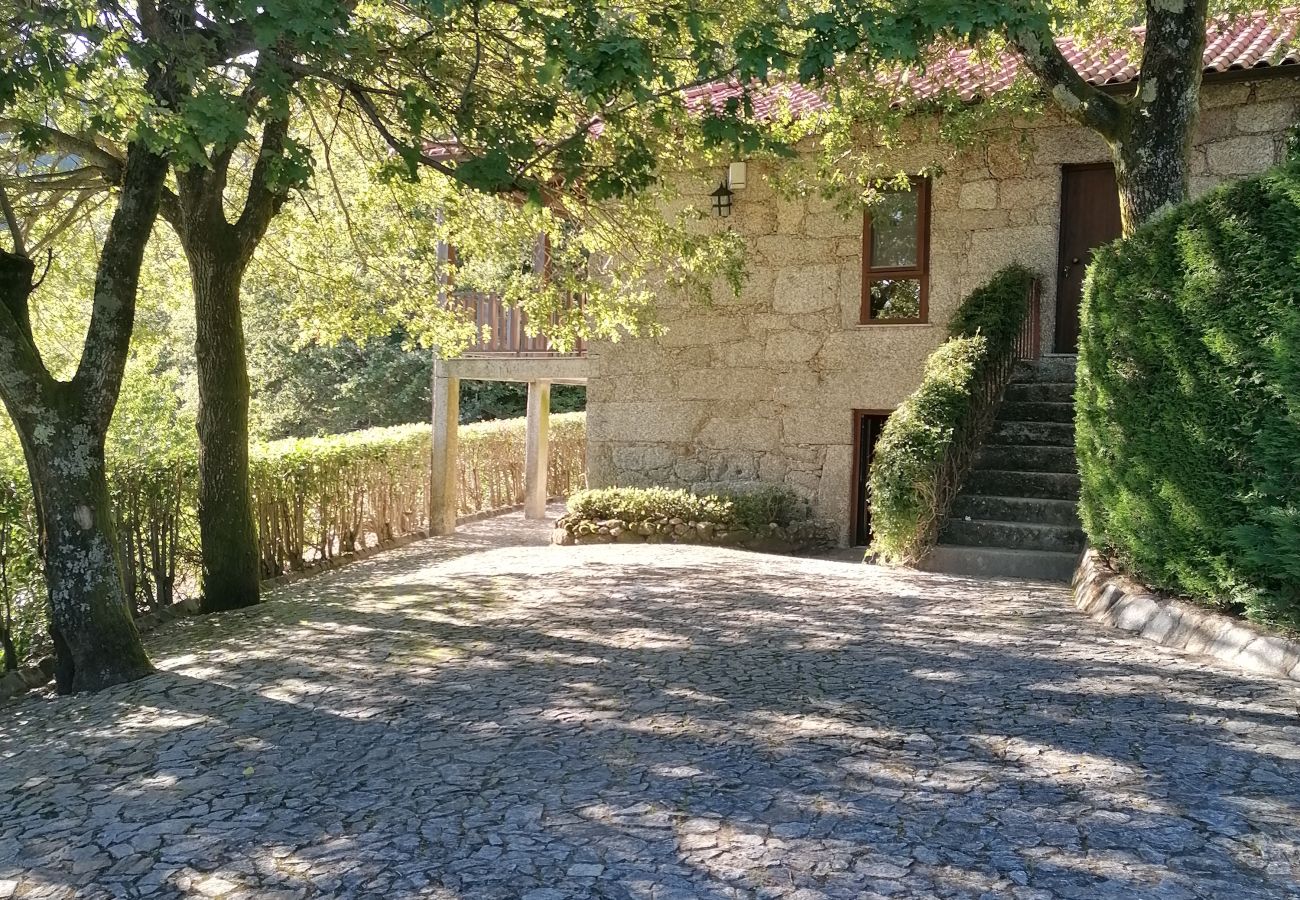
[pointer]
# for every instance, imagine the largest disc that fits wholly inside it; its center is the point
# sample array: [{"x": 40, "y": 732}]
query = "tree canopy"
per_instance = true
[{"x": 858, "y": 50}]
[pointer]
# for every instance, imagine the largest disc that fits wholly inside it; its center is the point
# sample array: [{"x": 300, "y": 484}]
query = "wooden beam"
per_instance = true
[
  {"x": 443, "y": 470},
  {"x": 537, "y": 449}
]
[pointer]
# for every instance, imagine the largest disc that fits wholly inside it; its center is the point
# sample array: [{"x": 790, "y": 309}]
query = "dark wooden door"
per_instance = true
[
  {"x": 866, "y": 431},
  {"x": 1089, "y": 218}
]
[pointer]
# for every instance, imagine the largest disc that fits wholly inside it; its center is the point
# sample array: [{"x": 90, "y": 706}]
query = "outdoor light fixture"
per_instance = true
[{"x": 722, "y": 200}]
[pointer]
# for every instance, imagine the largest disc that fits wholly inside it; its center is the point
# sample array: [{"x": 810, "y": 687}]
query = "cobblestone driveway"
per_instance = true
[{"x": 473, "y": 718}]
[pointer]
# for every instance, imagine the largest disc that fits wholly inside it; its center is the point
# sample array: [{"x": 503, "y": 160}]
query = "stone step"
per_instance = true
[
  {"x": 1003, "y": 483},
  {"x": 1038, "y": 391},
  {"x": 992, "y": 562},
  {"x": 1026, "y": 458},
  {"x": 1016, "y": 509},
  {"x": 1012, "y": 535},
  {"x": 1037, "y": 411},
  {"x": 1047, "y": 368},
  {"x": 1048, "y": 434}
]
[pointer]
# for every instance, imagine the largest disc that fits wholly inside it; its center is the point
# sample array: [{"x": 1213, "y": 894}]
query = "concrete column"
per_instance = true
[
  {"x": 537, "y": 449},
  {"x": 443, "y": 471}
]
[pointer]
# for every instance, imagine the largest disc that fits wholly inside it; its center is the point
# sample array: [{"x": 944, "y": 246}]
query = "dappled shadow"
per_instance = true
[{"x": 473, "y": 718}]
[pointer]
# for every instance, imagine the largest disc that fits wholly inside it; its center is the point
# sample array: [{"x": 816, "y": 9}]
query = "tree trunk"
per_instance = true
[
  {"x": 90, "y": 616},
  {"x": 227, "y": 527},
  {"x": 218, "y": 252},
  {"x": 1149, "y": 132},
  {"x": 1152, "y": 170},
  {"x": 1152, "y": 145},
  {"x": 61, "y": 427}
]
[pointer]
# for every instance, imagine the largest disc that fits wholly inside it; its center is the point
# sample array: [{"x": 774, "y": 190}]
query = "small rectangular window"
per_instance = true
[{"x": 896, "y": 256}]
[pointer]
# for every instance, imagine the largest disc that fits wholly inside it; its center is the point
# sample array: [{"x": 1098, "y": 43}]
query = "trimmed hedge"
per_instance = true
[
  {"x": 314, "y": 498},
  {"x": 922, "y": 448},
  {"x": 1189, "y": 400},
  {"x": 750, "y": 509},
  {"x": 767, "y": 517},
  {"x": 23, "y": 635}
]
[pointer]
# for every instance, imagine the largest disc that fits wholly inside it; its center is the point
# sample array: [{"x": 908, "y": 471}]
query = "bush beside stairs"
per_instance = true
[{"x": 1016, "y": 515}]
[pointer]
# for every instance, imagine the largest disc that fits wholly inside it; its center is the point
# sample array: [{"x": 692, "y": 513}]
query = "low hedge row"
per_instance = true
[
  {"x": 1189, "y": 400},
  {"x": 767, "y": 518},
  {"x": 314, "y": 498},
  {"x": 923, "y": 446}
]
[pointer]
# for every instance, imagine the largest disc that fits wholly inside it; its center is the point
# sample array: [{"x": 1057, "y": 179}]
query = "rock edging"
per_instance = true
[
  {"x": 1109, "y": 597},
  {"x": 798, "y": 537}
]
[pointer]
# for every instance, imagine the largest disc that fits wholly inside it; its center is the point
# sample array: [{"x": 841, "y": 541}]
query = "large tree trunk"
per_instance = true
[
  {"x": 1152, "y": 173},
  {"x": 218, "y": 252},
  {"x": 62, "y": 427},
  {"x": 1150, "y": 132},
  {"x": 1152, "y": 145},
  {"x": 90, "y": 616},
  {"x": 227, "y": 528}
]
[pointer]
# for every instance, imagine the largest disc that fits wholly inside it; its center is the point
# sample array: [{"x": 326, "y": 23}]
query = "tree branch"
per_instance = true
[
  {"x": 264, "y": 198},
  {"x": 84, "y": 147},
  {"x": 1083, "y": 102},
  {"x": 70, "y": 217},
  {"x": 11, "y": 222},
  {"x": 24, "y": 379},
  {"x": 103, "y": 359},
  {"x": 372, "y": 114}
]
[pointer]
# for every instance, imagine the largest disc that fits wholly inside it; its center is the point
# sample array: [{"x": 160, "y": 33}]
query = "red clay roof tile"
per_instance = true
[{"x": 1261, "y": 41}]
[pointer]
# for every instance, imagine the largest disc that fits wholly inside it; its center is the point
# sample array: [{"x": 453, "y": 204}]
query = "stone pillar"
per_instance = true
[
  {"x": 537, "y": 449},
  {"x": 443, "y": 470}
]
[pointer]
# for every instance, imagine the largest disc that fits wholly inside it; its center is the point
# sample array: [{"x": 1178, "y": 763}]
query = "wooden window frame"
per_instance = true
[{"x": 920, "y": 272}]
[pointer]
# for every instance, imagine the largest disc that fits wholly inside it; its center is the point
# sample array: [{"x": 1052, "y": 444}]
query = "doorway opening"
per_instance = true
[
  {"x": 867, "y": 426},
  {"x": 1089, "y": 218}
]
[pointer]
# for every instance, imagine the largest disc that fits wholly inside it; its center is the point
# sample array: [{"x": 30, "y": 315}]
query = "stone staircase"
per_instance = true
[{"x": 1016, "y": 515}]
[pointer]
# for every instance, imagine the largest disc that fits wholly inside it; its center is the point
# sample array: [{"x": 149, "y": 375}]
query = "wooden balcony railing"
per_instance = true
[{"x": 503, "y": 331}]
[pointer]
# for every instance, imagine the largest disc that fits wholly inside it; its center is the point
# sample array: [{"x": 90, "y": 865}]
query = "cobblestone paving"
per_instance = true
[{"x": 478, "y": 718}]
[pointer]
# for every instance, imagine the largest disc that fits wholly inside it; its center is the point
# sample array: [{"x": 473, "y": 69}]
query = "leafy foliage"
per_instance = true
[
  {"x": 393, "y": 234},
  {"x": 22, "y": 593},
  {"x": 1189, "y": 400},
  {"x": 751, "y": 510},
  {"x": 867, "y": 56},
  {"x": 920, "y": 454},
  {"x": 482, "y": 400}
]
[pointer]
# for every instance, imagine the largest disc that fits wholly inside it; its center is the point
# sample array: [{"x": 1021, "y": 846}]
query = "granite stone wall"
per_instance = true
[{"x": 762, "y": 386}]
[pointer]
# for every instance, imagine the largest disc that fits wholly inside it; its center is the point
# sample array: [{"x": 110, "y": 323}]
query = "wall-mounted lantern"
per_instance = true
[{"x": 722, "y": 200}]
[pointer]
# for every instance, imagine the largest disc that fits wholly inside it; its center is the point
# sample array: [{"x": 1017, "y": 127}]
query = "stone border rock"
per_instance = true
[
  {"x": 807, "y": 536},
  {"x": 1109, "y": 597}
]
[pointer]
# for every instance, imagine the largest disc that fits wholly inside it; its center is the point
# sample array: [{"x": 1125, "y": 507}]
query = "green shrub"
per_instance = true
[
  {"x": 22, "y": 592},
  {"x": 1189, "y": 400},
  {"x": 995, "y": 310},
  {"x": 751, "y": 510},
  {"x": 913, "y": 459},
  {"x": 905, "y": 473}
]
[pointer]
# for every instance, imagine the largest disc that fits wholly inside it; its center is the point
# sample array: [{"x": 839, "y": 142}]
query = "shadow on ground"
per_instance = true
[{"x": 486, "y": 717}]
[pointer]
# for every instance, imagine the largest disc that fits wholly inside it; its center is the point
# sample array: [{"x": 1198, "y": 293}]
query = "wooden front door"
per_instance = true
[
  {"x": 1089, "y": 218},
  {"x": 866, "y": 431}
]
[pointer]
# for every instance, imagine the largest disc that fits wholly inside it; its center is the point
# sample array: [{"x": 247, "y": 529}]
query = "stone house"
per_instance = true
[{"x": 788, "y": 383}]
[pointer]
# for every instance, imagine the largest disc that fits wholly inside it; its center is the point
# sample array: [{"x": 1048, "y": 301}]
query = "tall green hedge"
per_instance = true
[
  {"x": 941, "y": 417},
  {"x": 1189, "y": 400}
]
